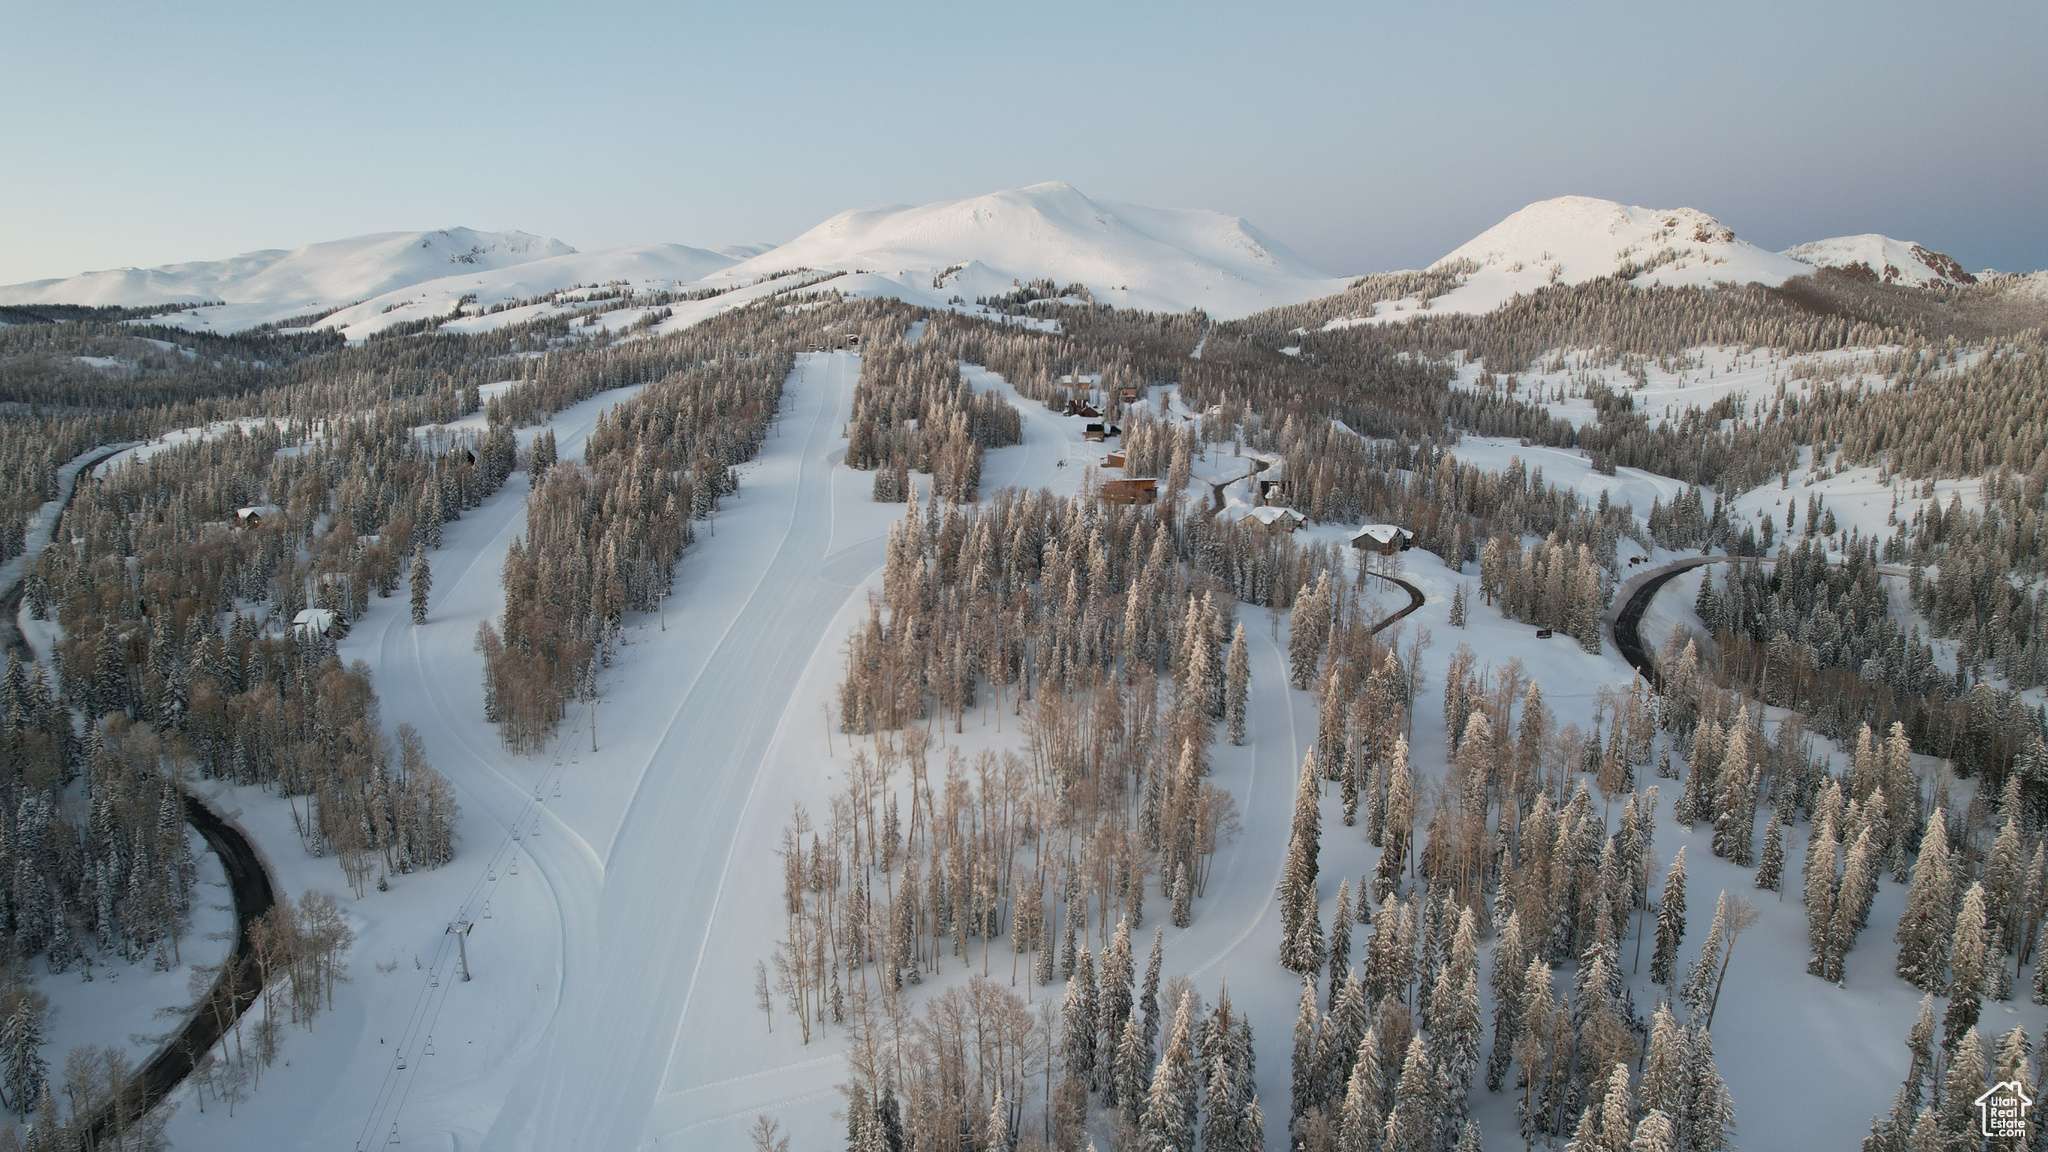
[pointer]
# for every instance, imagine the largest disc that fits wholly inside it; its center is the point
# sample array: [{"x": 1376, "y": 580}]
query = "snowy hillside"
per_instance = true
[
  {"x": 1573, "y": 239},
  {"x": 1128, "y": 256},
  {"x": 1884, "y": 259},
  {"x": 651, "y": 267},
  {"x": 2023, "y": 285},
  {"x": 738, "y": 252},
  {"x": 331, "y": 272}
]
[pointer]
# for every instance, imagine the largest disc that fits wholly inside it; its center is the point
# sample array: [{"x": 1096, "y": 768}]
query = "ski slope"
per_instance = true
[
  {"x": 612, "y": 1006},
  {"x": 751, "y": 610}
]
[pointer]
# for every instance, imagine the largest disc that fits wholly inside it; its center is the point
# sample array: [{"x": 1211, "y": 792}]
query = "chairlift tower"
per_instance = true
[{"x": 460, "y": 930}]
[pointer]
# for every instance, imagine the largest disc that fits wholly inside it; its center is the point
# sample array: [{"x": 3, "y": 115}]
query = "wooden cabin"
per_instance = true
[
  {"x": 1097, "y": 431},
  {"x": 1083, "y": 409},
  {"x": 1128, "y": 394},
  {"x": 1272, "y": 520},
  {"x": 1131, "y": 490},
  {"x": 257, "y": 514},
  {"x": 1386, "y": 539},
  {"x": 1113, "y": 460},
  {"x": 312, "y": 622}
]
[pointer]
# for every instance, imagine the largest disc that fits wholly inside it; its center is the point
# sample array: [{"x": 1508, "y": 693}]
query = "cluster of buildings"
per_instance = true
[{"x": 1273, "y": 495}]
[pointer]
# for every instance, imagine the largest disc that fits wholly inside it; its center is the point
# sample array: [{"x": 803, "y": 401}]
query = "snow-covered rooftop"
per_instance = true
[
  {"x": 1384, "y": 533},
  {"x": 1274, "y": 513}
]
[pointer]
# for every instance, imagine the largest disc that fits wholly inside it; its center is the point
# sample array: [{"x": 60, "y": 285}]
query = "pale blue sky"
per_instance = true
[{"x": 1366, "y": 136}]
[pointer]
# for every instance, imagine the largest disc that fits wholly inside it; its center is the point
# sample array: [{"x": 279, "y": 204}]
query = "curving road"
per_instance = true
[
  {"x": 237, "y": 986},
  {"x": 239, "y": 982},
  {"x": 67, "y": 487},
  {"x": 1415, "y": 601},
  {"x": 1628, "y": 620},
  {"x": 1643, "y": 588}
]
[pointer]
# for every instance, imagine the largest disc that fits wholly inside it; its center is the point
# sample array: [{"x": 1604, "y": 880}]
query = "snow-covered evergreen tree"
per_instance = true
[
  {"x": 1359, "y": 1121},
  {"x": 22, "y": 1066},
  {"x": 1699, "y": 982},
  {"x": 1509, "y": 960},
  {"x": 1298, "y": 871},
  {"x": 1852, "y": 905},
  {"x": 1307, "y": 1070},
  {"x": 1654, "y": 1133},
  {"x": 1170, "y": 1103},
  {"x": 1963, "y": 1083},
  {"x": 1770, "y": 866},
  {"x": 1670, "y": 922},
  {"x": 1237, "y": 686},
  {"x": 1969, "y": 966},
  {"x": 1709, "y": 1121},
  {"x": 1821, "y": 888},
  {"x": 422, "y": 583},
  {"x": 1925, "y": 925},
  {"x": 1411, "y": 1125}
]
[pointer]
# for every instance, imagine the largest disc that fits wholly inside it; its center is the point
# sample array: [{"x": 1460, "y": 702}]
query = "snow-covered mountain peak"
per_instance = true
[
  {"x": 1571, "y": 239},
  {"x": 467, "y": 246},
  {"x": 1885, "y": 260},
  {"x": 332, "y": 272},
  {"x": 1125, "y": 254}
]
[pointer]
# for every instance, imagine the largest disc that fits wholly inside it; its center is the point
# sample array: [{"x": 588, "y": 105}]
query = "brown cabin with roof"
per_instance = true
[
  {"x": 1385, "y": 539},
  {"x": 1131, "y": 490},
  {"x": 1273, "y": 521},
  {"x": 257, "y": 515}
]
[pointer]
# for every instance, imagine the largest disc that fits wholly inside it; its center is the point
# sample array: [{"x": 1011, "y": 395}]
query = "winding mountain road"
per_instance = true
[
  {"x": 249, "y": 884},
  {"x": 1627, "y": 621},
  {"x": 16, "y": 571},
  {"x": 239, "y": 984}
]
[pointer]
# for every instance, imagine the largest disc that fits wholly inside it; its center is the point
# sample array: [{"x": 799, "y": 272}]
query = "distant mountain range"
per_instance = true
[
  {"x": 1123, "y": 254},
  {"x": 1884, "y": 259},
  {"x": 955, "y": 252}
]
